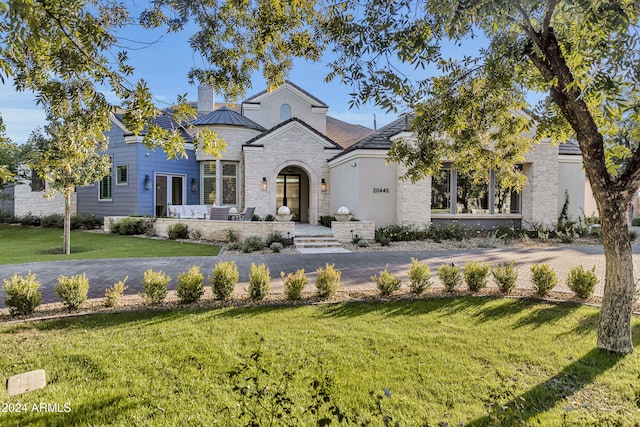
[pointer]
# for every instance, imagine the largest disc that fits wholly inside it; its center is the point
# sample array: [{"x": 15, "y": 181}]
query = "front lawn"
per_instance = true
[
  {"x": 460, "y": 361},
  {"x": 20, "y": 244}
]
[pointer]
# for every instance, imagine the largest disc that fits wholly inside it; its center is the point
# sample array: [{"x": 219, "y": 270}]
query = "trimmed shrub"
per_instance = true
[
  {"x": 382, "y": 237},
  {"x": 475, "y": 275},
  {"x": 53, "y": 221},
  {"x": 259, "y": 281},
  {"x": 113, "y": 294},
  {"x": 449, "y": 275},
  {"x": 582, "y": 282},
  {"x": 224, "y": 279},
  {"x": 420, "y": 275},
  {"x": 276, "y": 247},
  {"x": 154, "y": 284},
  {"x": 505, "y": 276},
  {"x": 178, "y": 231},
  {"x": 195, "y": 234},
  {"x": 73, "y": 290},
  {"x": 232, "y": 237},
  {"x": 325, "y": 220},
  {"x": 273, "y": 237},
  {"x": 21, "y": 293},
  {"x": 86, "y": 222},
  {"x": 190, "y": 285},
  {"x": 362, "y": 243},
  {"x": 328, "y": 281},
  {"x": 386, "y": 282},
  {"x": 133, "y": 226},
  {"x": 252, "y": 244},
  {"x": 234, "y": 246},
  {"x": 544, "y": 278},
  {"x": 294, "y": 283}
]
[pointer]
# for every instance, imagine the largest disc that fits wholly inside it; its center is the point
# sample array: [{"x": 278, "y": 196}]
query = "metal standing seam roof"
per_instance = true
[{"x": 228, "y": 117}]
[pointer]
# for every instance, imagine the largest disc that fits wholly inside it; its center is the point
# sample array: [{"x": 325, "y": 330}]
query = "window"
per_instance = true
[
  {"x": 209, "y": 183},
  {"x": 121, "y": 174},
  {"x": 285, "y": 112},
  {"x": 229, "y": 183},
  {"x": 471, "y": 196},
  {"x": 441, "y": 192},
  {"x": 453, "y": 192},
  {"x": 105, "y": 187},
  {"x": 37, "y": 183}
]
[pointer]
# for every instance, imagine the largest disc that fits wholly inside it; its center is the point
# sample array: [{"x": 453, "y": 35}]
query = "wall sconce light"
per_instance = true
[
  {"x": 264, "y": 183},
  {"x": 147, "y": 182},
  {"x": 323, "y": 185},
  {"x": 194, "y": 185}
]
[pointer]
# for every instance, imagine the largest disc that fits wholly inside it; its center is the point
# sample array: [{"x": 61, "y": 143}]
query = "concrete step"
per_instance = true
[{"x": 316, "y": 242}]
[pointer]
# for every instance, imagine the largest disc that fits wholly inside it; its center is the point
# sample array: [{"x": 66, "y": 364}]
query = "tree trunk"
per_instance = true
[
  {"x": 67, "y": 223},
  {"x": 614, "y": 327}
]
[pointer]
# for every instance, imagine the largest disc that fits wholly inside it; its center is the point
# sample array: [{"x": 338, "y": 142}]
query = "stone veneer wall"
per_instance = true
[
  {"x": 342, "y": 230},
  {"x": 413, "y": 200},
  {"x": 217, "y": 230},
  {"x": 540, "y": 196},
  {"x": 27, "y": 202},
  {"x": 292, "y": 147}
]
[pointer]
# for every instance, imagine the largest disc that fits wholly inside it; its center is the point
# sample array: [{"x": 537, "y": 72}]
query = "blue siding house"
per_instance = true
[{"x": 142, "y": 180}]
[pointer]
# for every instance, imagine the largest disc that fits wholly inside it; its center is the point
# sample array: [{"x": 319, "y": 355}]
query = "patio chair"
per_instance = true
[
  {"x": 247, "y": 214},
  {"x": 219, "y": 213}
]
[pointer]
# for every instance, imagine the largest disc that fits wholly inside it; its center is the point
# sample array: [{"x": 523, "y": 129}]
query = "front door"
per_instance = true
[
  {"x": 169, "y": 191},
  {"x": 288, "y": 193}
]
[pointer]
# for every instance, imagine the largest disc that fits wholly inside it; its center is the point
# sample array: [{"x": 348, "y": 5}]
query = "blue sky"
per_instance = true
[{"x": 164, "y": 64}]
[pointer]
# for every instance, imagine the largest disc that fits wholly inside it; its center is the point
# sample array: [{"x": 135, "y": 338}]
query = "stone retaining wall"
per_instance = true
[
  {"x": 342, "y": 230},
  {"x": 217, "y": 230}
]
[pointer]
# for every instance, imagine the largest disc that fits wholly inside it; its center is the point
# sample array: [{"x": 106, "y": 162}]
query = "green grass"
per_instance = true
[
  {"x": 28, "y": 244},
  {"x": 455, "y": 360}
]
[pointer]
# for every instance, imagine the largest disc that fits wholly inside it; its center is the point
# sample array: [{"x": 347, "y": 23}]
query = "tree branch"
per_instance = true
[{"x": 546, "y": 23}]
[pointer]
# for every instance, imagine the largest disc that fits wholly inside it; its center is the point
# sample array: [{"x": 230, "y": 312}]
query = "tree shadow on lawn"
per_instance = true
[{"x": 543, "y": 397}]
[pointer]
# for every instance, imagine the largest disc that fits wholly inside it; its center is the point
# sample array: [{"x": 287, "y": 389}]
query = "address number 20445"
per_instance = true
[{"x": 380, "y": 190}]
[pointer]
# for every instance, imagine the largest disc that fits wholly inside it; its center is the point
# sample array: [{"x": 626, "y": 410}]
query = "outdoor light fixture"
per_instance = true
[
  {"x": 323, "y": 185},
  {"x": 264, "y": 183},
  {"x": 194, "y": 185},
  {"x": 147, "y": 182}
]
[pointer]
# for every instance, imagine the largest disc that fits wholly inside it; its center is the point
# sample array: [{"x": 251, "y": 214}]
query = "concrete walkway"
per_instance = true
[{"x": 357, "y": 268}]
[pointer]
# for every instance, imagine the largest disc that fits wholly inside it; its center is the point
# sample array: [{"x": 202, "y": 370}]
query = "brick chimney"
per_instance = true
[{"x": 206, "y": 99}]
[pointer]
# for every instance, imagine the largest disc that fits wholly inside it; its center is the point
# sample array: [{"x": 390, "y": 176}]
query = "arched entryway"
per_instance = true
[{"x": 292, "y": 190}]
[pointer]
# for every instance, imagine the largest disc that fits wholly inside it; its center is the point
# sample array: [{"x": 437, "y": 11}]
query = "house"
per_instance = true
[
  {"x": 26, "y": 197},
  {"x": 283, "y": 149}
]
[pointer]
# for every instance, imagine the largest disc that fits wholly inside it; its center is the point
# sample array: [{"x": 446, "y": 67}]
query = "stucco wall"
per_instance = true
[
  {"x": 345, "y": 190},
  {"x": 377, "y": 191},
  {"x": 267, "y": 113},
  {"x": 571, "y": 178}
]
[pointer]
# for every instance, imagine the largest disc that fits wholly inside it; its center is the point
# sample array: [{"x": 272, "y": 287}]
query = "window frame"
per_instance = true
[
  {"x": 126, "y": 180},
  {"x": 109, "y": 178}
]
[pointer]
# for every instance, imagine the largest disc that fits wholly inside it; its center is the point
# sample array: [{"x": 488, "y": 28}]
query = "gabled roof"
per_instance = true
[
  {"x": 254, "y": 98},
  {"x": 345, "y": 134},
  {"x": 380, "y": 140},
  {"x": 228, "y": 117},
  {"x": 286, "y": 122},
  {"x": 164, "y": 121}
]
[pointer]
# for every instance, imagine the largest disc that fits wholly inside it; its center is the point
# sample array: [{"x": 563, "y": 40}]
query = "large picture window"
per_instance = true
[
  {"x": 441, "y": 192},
  {"x": 105, "y": 190},
  {"x": 453, "y": 192}
]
